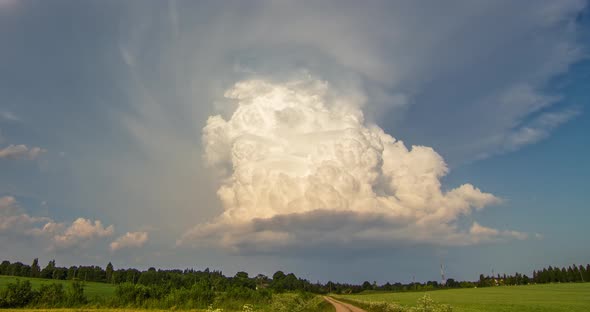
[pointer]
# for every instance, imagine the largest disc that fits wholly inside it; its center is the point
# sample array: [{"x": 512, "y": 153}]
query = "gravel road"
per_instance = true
[{"x": 343, "y": 307}]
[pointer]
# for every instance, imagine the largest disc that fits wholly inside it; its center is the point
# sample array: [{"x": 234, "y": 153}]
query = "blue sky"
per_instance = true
[{"x": 105, "y": 120}]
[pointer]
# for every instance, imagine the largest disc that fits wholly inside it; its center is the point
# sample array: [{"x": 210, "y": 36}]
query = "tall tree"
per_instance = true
[
  {"x": 47, "y": 272},
  {"x": 109, "y": 273},
  {"x": 35, "y": 268}
]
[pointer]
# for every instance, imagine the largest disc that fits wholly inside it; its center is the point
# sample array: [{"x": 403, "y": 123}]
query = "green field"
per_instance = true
[
  {"x": 548, "y": 297},
  {"x": 91, "y": 289}
]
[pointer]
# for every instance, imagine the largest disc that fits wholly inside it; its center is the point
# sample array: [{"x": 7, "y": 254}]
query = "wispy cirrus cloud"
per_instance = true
[{"x": 538, "y": 128}]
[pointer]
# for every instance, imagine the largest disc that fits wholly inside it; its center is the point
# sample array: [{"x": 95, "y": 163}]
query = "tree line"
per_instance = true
[
  {"x": 191, "y": 288},
  {"x": 571, "y": 274}
]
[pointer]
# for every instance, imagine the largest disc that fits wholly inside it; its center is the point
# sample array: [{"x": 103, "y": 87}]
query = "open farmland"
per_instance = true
[{"x": 570, "y": 297}]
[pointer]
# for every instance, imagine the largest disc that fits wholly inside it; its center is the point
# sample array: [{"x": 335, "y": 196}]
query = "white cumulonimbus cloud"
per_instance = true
[
  {"x": 21, "y": 152},
  {"x": 300, "y": 166},
  {"x": 129, "y": 240},
  {"x": 58, "y": 235}
]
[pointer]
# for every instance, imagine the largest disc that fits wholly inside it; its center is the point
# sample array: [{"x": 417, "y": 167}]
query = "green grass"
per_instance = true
[
  {"x": 549, "y": 297},
  {"x": 91, "y": 289}
]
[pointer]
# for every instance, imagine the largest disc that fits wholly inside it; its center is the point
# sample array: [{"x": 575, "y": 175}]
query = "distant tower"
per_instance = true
[{"x": 443, "y": 281}]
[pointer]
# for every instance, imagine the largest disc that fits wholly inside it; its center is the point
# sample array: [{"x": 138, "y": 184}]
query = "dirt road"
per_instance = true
[{"x": 343, "y": 307}]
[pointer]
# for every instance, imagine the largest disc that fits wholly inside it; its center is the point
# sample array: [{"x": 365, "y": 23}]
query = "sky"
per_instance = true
[{"x": 337, "y": 140}]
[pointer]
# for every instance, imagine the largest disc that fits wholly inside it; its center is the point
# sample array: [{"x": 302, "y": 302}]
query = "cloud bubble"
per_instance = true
[
  {"x": 129, "y": 240},
  {"x": 301, "y": 167}
]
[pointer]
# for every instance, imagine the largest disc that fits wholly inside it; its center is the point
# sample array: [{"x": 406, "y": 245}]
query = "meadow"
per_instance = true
[
  {"x": 571, "y": 297},
  {"x": 91, "y": 289}
]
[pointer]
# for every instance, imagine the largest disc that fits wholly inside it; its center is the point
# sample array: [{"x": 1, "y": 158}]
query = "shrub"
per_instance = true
[
  {"x": 75, "y": 295},
  {"x": 51, "y": 295},
  {"x": 132, "y": 295},
  {"x": 17, "y": 295},
  {"x": 427, "y": 304},
  {"x": 301, "y": 302}
]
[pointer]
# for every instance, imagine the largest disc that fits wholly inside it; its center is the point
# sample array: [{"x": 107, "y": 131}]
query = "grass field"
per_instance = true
[
  {"x": 539, "y": 298},
  {"x": 91, "y": 289}
]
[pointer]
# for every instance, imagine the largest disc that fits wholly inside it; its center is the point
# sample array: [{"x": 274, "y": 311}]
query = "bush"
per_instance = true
[
  {"x": 198, "y": 296},
  {"x": 301, "y": 302},
  {"x": 51, "y": 296},
  {"x": 427, "y": 304},
  {"x": 75, "y": 295},
  {"x": 201, "y": 295},
  {"x": 17, "y": 295},
  {"x": 132, "y": 295}
]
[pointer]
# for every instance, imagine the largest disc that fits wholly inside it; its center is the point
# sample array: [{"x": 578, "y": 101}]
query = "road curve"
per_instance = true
[{"x": 341, "y": 306}]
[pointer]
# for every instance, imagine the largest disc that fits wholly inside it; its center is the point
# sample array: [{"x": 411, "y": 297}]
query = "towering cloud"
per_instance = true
[
  {"x": 426, "y": 78},
  {"x": 300, "y": 166}
]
